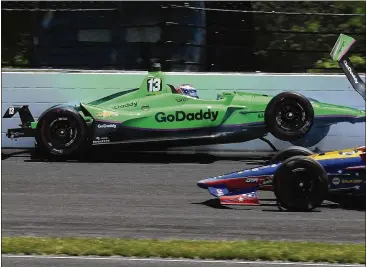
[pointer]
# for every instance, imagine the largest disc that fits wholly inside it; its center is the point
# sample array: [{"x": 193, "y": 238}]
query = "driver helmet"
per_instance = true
[{"x": 187, "y": 89}]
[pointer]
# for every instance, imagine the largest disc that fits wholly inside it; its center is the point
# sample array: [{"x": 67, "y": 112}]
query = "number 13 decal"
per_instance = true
[
  {"x": 11, "y": 111},
  {"x": 154, "y": 84}
]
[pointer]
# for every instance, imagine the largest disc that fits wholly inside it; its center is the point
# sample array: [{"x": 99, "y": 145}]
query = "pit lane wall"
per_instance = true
[{"x": 42, "y": 89}]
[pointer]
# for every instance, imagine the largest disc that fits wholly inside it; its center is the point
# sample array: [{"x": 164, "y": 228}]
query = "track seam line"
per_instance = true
[{"x": 179, "y": 260}]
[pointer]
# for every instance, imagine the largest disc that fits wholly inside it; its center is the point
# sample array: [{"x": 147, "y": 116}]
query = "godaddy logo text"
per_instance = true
[
  {"x": 182, "y": 116},
  {"x": 350, "y": 71}
]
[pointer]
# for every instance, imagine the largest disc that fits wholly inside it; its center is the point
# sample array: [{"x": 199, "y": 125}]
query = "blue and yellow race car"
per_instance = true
[
  {"x": 300, "y": 183},
  {"x": 300, "y": 179}
]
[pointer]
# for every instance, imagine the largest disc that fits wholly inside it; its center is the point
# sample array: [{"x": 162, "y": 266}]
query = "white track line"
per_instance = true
[{"x": 181, "y": 260}]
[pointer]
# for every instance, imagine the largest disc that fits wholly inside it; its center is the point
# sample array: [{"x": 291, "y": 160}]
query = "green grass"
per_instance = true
[{"x": 243, "y": 250}]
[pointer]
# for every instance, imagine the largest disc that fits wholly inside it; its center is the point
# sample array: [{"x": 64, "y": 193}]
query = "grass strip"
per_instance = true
[{"x": 192, "y": 249}]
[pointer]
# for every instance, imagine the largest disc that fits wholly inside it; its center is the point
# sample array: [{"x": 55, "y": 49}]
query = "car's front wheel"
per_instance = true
[
  {"x": 289, "y": 116},
  {"x": 61, "y": 131},
  {"x": 300, "y": 184}
]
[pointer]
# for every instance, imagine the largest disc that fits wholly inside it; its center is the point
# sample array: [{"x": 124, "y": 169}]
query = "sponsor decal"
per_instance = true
[
  {"x": 248, "y": 195},
  {"x": 267, "y": 180},
  {"x": 351, "y": 181},
  {"x": 251, "y": 180},
  {"x": 220, "y": 192},
  {"x": 131, "y": 104},
  {"x": 181, "y": 99},
  {"x": 336, "y": 180},
  {"x": 306, "y": 126},
  {"x": 182, "y": 116},
  {"x": 74, "y": 137},
  {"x": 16, "y": 134},
  {"x": 341, "y": 47},
  {"x": 251, "y": 195},
  {"x": 263, "y": 167},
  {"x": 106, "y": 114},
  {"x": 154, "y": 84},
  {"x": 350, "y": 71},
  {"x": 260, "y": 115},
  {"x": 107, "y": 126},
  {"x": 100, "y": 140},
  {"x": 59, "y": 119},
  {"x": 11, "y": 111}
]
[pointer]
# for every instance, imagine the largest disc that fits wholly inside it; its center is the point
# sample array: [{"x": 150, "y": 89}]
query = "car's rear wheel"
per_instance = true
[
  {"x": 289, "y": 116},
  {"x": 290, "y": 152},
  {"x": 300, "y": 184},
  {"x": 61, "y": 131}
]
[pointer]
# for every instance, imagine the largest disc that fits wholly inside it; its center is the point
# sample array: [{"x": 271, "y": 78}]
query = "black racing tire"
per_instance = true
[
  {"x": 289, "y": 116},
  {"x": 290, "y": 152},
  {"x": 61, "y": 131},
  {"x": 300, "y": 184}
]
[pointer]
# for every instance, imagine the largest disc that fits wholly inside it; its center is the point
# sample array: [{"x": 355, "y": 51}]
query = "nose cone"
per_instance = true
[
  {"x": 331, "y": 109},
  {"x": 356, "y": 116},
  {"x": 359, "y": 119},
  {"x": 357, "y": 113},
  {"x": 329, "y": 113},
  {"x": 202, "y": 184}
]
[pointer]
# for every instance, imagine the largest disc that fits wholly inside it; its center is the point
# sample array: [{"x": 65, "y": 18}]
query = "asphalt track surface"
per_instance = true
[
  {"x": 31, "y": 261},
  {"x": 152, "y": 199}
]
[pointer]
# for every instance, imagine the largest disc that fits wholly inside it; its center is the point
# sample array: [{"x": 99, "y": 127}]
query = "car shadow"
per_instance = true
[
  {"x": 343, "y": 205},
  {"x": 326, "y": 205},
  {"x": 133, "y": 157},
  {"x": 115, "y": 155},
  {"x": 14, "y": 153},
  {"x": 286, "y": 211},
  {"x": 273, "y": 207},
  {"x": 213, "y": 203},
  {"x": 349, "y": 202}
]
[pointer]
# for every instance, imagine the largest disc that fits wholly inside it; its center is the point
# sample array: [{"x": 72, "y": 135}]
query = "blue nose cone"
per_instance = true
[{"x": 202, "y": 184}]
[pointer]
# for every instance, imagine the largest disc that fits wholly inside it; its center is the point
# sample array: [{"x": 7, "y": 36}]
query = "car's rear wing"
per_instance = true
[
  {"x": 339, "y": 53},
  {"x": 25, "y": 115},
  {"x": 27, "y": 128}
]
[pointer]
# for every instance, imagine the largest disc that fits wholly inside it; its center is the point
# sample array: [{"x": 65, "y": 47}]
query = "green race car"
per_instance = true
[{"x": 157, "y": 115}]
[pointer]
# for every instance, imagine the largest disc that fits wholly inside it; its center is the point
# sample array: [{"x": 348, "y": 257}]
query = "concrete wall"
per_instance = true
[{"x": 42, "y": 89}]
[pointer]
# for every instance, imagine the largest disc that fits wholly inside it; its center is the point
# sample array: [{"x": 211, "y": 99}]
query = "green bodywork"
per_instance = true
[{"x": 141, "y": 108}]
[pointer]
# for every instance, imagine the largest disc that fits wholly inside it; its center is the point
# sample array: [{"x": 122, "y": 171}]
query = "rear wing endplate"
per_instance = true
[
  {"x": 25, "y": 115},
  {"x": 339, "y": 53}
]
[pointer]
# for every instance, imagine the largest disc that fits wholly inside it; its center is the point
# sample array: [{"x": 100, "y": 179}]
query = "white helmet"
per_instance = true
[{"x": 187, "y": 89}]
